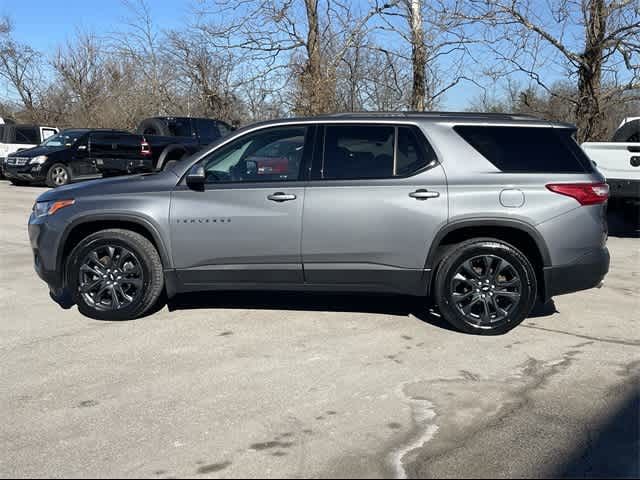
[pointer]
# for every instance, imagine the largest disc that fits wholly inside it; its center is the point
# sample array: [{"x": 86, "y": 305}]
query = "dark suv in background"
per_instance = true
[
  {"x": 483, "y": 213},
  {"x": 81, "y": 154}
]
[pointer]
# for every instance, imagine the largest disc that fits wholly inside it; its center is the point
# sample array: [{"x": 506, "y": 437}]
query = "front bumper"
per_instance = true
[
  {"x": 586, "y": 272},
  {"x": 622, "y": 188},
  {"x": 28, "y": 173},
  {"x": 45, "y": 239}
]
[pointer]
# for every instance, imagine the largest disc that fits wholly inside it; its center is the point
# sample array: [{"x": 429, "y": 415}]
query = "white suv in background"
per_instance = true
[{"x": 15, "y": 137}]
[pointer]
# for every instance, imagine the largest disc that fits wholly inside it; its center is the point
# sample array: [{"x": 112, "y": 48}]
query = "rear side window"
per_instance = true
[
  {"x": 358, "y": 151},
  {"x": 412, "y": 154},
  {"x": 207, "y": 130},
  {"x": 180, "y": 127},
  {"x": 527, "y": 149},
  {"x": 27, "y": 135},
  {"x": 373, "y": 151}
]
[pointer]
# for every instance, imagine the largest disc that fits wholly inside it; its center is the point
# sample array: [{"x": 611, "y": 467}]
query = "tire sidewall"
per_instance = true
[
  {"x": 73, "y": 277},
  {"x": 520, "y": 263},
  {"x": 49, "y": 180}
]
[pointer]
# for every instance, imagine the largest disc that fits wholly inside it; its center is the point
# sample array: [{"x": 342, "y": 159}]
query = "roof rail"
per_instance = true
[{"x": 437, "y": 114}]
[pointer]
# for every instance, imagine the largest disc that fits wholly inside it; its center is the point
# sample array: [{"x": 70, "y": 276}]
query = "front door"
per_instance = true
[
  {"x": 377, "y": 198},
  {"x": 244, "y": 228}
]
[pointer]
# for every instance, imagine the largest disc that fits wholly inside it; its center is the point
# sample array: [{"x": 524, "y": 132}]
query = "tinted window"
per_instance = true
[
  {"x": 527, "y": 149},
  {"x": 2, "y": 129},
  {"x": 207, "y": 130},
  {"x": 180, "y": 127},
  {"x": 113, "y": 143},
  {"x": 272, "y": 155},
  {"x": 224, "y": 129},
  {"x": 358, "y": 151},
  {"x": 27, "y": 135},
  {"x": 410, "y": 156}
]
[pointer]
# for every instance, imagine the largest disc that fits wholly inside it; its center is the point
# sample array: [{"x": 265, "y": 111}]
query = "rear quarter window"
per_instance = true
[{"x": 527, "y": 149}]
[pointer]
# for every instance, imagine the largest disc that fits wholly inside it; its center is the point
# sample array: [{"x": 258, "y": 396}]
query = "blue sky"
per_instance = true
[{"x": 46, "y": 24}]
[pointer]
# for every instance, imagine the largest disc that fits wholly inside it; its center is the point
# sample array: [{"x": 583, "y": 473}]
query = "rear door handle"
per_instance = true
[
  {"x": 281, "y": 197},
  {"x": 423, "y": 194},
  {"x": 633, "y": 149}
]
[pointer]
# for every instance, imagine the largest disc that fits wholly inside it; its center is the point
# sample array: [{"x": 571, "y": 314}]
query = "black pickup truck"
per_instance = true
[
  {"x": 80, "y": 154},
  {"x": 172, "y": 138}
]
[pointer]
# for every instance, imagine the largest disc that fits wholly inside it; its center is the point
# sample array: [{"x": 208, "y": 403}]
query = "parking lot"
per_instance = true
[{"x": 290, "y": 385}]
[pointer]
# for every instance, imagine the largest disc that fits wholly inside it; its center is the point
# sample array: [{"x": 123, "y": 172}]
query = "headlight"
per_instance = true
[
  {"x": 39, "y": 160},
  {"x": 42, "y": 209}
]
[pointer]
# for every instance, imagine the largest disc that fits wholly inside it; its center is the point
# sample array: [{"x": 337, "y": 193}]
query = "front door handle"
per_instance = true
[
  {"x": 281, "y": 197},
  {"x": 423, "y": 194}
]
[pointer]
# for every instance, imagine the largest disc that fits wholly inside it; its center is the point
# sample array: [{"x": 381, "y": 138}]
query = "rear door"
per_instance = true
[{"x": 375, "y": 202}]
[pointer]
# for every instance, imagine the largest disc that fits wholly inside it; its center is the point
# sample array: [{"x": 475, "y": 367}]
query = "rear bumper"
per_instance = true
[
  {"x": 121, "y": 166},
  {"x": 586, "y": 272},
  {"x": 621, "y": 188}
]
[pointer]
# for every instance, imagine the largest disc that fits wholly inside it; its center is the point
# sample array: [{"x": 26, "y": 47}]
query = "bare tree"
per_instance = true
[
  {"x": 604, "y": 62},
  {"x": 140, "y": 42},
  {"x": 20, "y": 67},
  {"x": 435, "y": 34}
]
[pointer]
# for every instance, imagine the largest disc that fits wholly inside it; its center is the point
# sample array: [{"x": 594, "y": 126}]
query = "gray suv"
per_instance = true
[{"x": 484, "y": 213}]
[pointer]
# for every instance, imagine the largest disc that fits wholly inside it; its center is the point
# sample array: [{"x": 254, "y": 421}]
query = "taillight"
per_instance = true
[
  {"x": 584, "y": 193},
  {"x": 145, "y": 148}
]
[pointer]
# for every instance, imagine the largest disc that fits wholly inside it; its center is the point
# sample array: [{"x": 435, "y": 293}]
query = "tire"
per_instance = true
[
  {"x": 629, "y": 132},
  {"x": 58, "y": 175},
  {"x": 134, "y": 275},
  {"x": 485, "y": 306},
  {"x": 154, "y": 126}
]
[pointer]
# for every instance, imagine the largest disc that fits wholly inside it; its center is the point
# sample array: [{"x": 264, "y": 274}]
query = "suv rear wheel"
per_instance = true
[
  {"x": 115, "y": 275},
  {"x": 485, "y": 287}
]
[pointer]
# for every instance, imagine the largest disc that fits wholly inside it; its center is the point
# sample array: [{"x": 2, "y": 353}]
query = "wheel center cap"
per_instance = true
[{"x": 486, "y": 289}]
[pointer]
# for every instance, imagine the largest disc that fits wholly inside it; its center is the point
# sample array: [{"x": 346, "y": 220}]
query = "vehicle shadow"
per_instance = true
[
  {"x": 623, "y": 220},
  {"x": 399, "y": 305},
  {"x": 611, "y": 450}
]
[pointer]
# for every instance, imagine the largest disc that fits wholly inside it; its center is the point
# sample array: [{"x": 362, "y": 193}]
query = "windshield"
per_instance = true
[{"x": 63, "y": 139}]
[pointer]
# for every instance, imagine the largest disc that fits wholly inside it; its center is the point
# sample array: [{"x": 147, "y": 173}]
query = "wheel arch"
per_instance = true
[
  {"x": 169, "y": 150},
  {"x": 83, "y": 227},
  {"x": 515, "y": 232}
]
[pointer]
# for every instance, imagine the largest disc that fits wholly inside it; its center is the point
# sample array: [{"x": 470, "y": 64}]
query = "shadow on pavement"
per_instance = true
[
  {"x": 623, "y": 220},
  {"x": 327, "y": 302},
  {"x": 613, "y": 450}
]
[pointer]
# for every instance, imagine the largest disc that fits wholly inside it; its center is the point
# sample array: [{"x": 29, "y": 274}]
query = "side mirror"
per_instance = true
[{"x": 196, "y": 178}]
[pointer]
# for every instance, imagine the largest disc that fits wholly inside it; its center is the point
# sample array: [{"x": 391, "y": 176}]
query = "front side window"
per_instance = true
[{"x": 271, "y": 155}]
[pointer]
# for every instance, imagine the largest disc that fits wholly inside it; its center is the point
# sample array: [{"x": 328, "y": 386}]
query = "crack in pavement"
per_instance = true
[
  {"x": 454, "y": 423},
  {"x": 629, "y": 343}
]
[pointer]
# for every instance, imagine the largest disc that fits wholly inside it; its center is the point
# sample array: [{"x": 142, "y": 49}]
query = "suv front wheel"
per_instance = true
[
  {"x": 115, "y": 274},
  {"x": 485, "y": 286}
]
